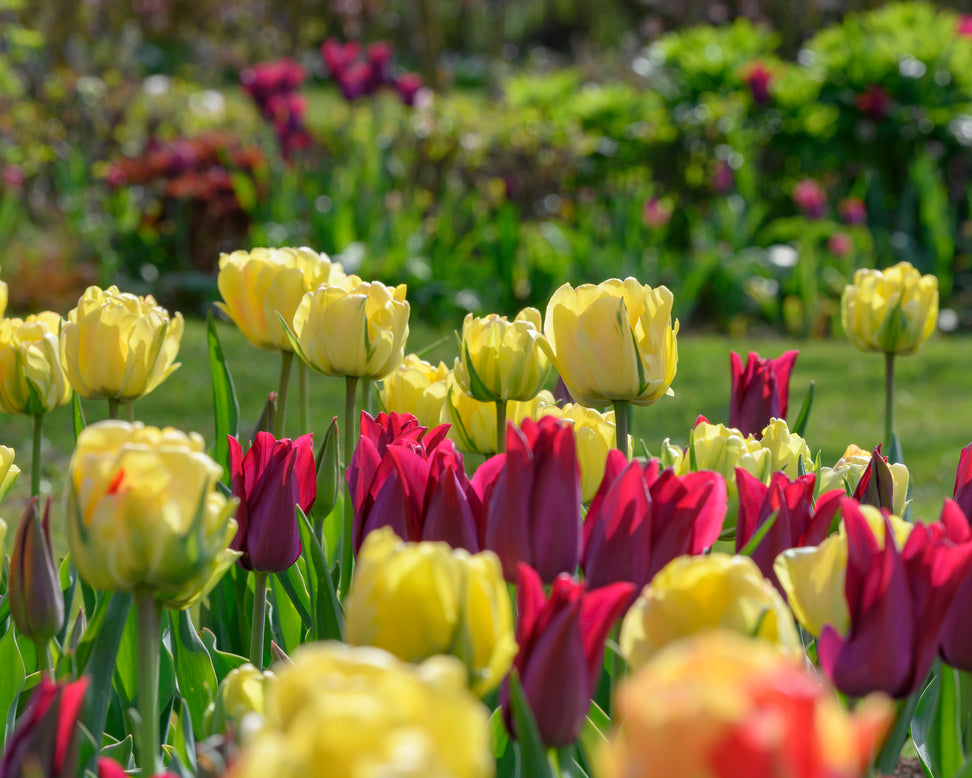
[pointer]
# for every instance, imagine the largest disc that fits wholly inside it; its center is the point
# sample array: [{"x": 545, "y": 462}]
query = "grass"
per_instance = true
[{"x": 934, "y": 402}]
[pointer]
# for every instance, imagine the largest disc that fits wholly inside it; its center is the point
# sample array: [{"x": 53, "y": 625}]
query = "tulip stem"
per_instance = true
[
  {"x": 888, "y": 402},
  {"x": 347, "y": 555},
  {"x": 500, "y": 426},
  {"x": 621, "y": 426},
  {"x": 113, "y": 408},
  {"x": 148, "y": 612},
  {"x": 286, "y": 357},
  {"x": 259, "y": 619},
  {"x": 35, "y": 462},
  {"x": 303, "y": 386},
  {"x": 43, "y": 650}
]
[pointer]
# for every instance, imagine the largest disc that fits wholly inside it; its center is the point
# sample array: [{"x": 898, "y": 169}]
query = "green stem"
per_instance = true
[
  {"x": 43, "y": 650},
  {"x": 364, "y": 400},
  {"x": 148, "y": 612},
  {"x": 347, "y": 553},
  {"x": 286, "y": 357},
  {"x": 259, "y": 619},
  {"x": 303, "y": 387},
  {"x": 130, "y": 411},
  {"x": 621, "y": 426},
  {"x": 35, "y": 462},
  {"x": 887, "y": 758},
  {"x": 888, "y": 402},
  {"x": 113, "y": 408},
  {"x": 500, "y": 426}
]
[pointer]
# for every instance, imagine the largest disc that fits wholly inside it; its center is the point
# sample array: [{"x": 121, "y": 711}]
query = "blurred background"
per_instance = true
[{"x": 750, "y": 154}]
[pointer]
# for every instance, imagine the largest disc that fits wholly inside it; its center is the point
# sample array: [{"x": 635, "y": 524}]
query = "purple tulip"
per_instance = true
[{"x": 760, "y": 391}]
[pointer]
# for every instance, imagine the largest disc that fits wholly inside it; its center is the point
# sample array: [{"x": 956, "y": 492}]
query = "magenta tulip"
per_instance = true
[
  {"x": 561, "y": 654},
  {"x": 272, "y": 479},
  {"x": 640, "y": 520},
  {"x": 760, "y": 390},
  {"x": 962, "y": 493},
  {"x": 532, "y": 495}
]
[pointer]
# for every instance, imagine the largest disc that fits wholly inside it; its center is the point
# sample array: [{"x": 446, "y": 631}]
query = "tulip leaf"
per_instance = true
[
  {"x": 11, "y": 679},
  {"x": 225, "y": 405},
  {"x": 121, "y": 751},
  {"x": 937, "y": 726},
  {"x": 533, "y": 762},
  {"x": 759, "y": 534},
  {"x": 182, "y": 738},
  {"x": 292, "y": 582},
  {"x": 887, "y": 759},
  {"x": 593, "y": 736},
  {"x": 800, "y": 427},
  {"x": 195, "y": 676},
  {"x": 79, "y": 423},
  {"x": 223, "y": 662},
  {"x": 477, "y": 387},
  {"x": 499, "y": 738},
  {"x": 328, "y": 618},
  {"x": 286, "y": 622}
]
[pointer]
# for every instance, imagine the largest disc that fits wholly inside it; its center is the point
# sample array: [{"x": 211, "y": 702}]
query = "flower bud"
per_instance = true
[
  {"x": 8, "y": 472},
  {"x": 328, "y": 470},
  {"x": 32, "y": 380},
  {"x": 36, "y": 599},
  {"x": 243, "y": 691}
]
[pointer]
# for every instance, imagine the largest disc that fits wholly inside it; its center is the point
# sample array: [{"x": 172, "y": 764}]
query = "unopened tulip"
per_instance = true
[
  {"x": 614, "y": 342},
  {"x": 760, "y": 390},
  {"x": 502, "y": 360},
  {"x": 257, "y": 285},
  {"x": 850, "y": 470},
  {"x": 533, "y": 499},
  {"x": 561, "y": 639},
  {"x": 32, "y": 380},
  {"x": 722, "y": 706},
  {"x": 354, "y": 330},
  {"x": 36, "y": 599},
  {"x": 117, "y": 346},
  {"x": 416, "y": 600},
  {"x": 893, "y": 311},
  {"x": 695, "y": 594},
  {"x": 8, "y": 472},
  {"x": 144, "y": 512},
  {"x": 641, "y": 519},
  {"x": 271, "y": 480},
  {"x": 418, "y": 388},
  {"x": 243, "y": 691},
  {"x": 342, "y": 712}
]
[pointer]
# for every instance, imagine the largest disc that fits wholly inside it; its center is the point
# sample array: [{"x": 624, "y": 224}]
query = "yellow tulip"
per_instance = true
[
  {"x": 416, "y": 600},
  {"x": 474, "y": 423},
  {"x": 418, "y": 388},
  {"x": 502, "y": 360},
  {"x": 848, "y": 470},
  {"x": 242, "y": 692},
  {"x": 354, "y": 330},
  {"x": 786, "y": 448},
  {"x": 118, "y": 346},
  {"x": 723, "y": 449},
  {"x": 613, "y": 342},
  {"x": 8, "y": 472},
  {"x": 813, "y": 577},
  {"x": 256, "y": 285},
  {"x": 348, "y": 712},
  {"x": 32, "y": 380},
  {"x": 893, "y": 311},
  {"x": 693, "y": 594},
  {"x": 3, "y": 297},
  {"x": 144, "y": 512}
]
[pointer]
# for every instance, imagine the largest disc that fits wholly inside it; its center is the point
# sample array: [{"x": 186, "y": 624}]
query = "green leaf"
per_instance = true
[
  {"x": 887, "y": 759},
  {"x": 499, "y": 738},
  {"x": 800, "y": 427},
  {"x": 225, "y": 405},
  {"x": 285, "y": 620},
  {"x": 936, "y": 727},
  {"x": 195, "y": 676},
  {"x": 759, "y": 534},
  {"x": 292, "y": 582},
  {"x": 11, "y": 679},
  {"x": 79, "y": 423},
  {"x": 594, "y": 734},
  {"x": 181, "y": 737},
  {"x": 328, "y": 617},
  {"x": 533, "y": 756},
  {"x": 223, "y": 662},
  {"x": 121, "y": 751}
]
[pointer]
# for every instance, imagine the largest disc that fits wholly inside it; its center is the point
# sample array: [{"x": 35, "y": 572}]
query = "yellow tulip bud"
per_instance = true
[
  {"x": 694, "y": 594},
  {"x": 893, "y": 311},
  {"x": 418, "y": 388},
  {"x": 352, "y": 330},
  {"x": 502, "y": 360},
  {"x": 849, "y": 469},
  {"x": 118, "y": 346},
  {"x": 144, "y": 512},
  {"x": 257, "y": 285},
  {"x": 786, "y": 448},
  {"x": 241, "y": 693},
  {"x": 32, "y": 380},
  {"x": 416, "y": 600},
  {"x": 343, "y": 712},
  {"x": 8, "y": 472},
  {"x": 613, "y": 342}
]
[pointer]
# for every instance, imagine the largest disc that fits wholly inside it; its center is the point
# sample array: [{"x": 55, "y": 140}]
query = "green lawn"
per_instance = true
[{"x": 934, "y": 406}]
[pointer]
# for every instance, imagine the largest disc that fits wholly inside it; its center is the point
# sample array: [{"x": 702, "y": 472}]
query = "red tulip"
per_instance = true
[
  {"x": 640, "y": 520},
  {"x": 36, "y": 599},
  {"x": 799, "y": 523},
  {"x": 45, "y": 741},
  {"x": 532, "y": 495},
  {"x": 561, "y": 654},
  {"x": 962, "y": 493},
  {"x": 339, "y": 56},
  {"x": 898, "y": 601},
  {"x": 272, "y": 479},
  {"x": 875, "y": 102},
  {"x": 876, "y": 486},
  {"x": 760, "y": 391},
  {"x": 956, "y": 647},
  {"x": 758, "y": 78}
]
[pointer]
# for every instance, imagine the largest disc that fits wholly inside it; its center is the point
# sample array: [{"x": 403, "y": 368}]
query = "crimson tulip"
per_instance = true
[
  {"x": 798, "y": 522},
  {"x": 532, "y": 495},
  {"x": 272, "y": 479},
  {"x": 962, "y": 493},
  {"x": 897, "y": 600},
  {"x": 561, "y": 654},
  {"x": 640, "y": 520},
  {"x": 760, "y": 391}
]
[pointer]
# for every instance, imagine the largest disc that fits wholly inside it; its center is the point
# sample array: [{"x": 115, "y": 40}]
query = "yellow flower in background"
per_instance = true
[
  {"x": 348, "y": 712},
  {"x": 786, "y": 448},
  {"x": 418, "y": 388},
  {"x": 813, "y": 577},
  {"x": 256, "y": 285},
  {"x": 416, "y": 600},
  {"x": 32, "y": 380},
  {"x": 242, "y": 692},
  {"x": 352, "y": 329},
  {"x": 893, "y": 311},
  {"x": 687, "y": 711},
  {"x": 144, "y": 512},
  {"x": 502, "y": 360},
  {"x": 118, "y": 346},
  {"x": 613, "y": 342},
  {"x": 723, "y": 449},
  {"x": 474, "y": 423},
  {"x": 849, "y": 469},
  {"x": 594, "y": 434},
  {"x": 693, "y": 594},
  {"x": 8, "y": 472}
]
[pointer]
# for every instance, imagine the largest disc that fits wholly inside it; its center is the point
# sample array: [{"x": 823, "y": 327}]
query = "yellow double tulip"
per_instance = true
[
  {"x": 32, "y": 380},
  {"x": 418, "y": 388}
]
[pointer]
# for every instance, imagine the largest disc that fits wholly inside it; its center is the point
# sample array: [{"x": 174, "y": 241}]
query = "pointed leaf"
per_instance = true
[
  {"x": 79, "y": 423},
  {"x": 195, "y": 676},
  {"x": 936, "y": 728},
  {"x": 533, "y": 756},
  {"x": 11, "y": 679},
  {"x": 226, "y": 408},
  {"x": 800, "y": 427}
]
